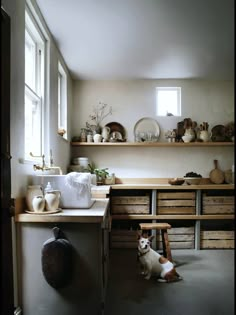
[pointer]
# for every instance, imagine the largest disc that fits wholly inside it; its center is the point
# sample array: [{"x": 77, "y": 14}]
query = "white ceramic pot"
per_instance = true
[
  {"x": 106, "y": 133},
  {"x": 32, "y": 191},
  {"x": 52, "y": 199},
  {"x": 97, "y": 138},
  {"x": 204, "y": 135},
  {"x": 38, "y": 203}
]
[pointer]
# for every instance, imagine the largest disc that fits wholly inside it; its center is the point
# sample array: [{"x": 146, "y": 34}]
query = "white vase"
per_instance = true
[
  {"x": 204, "y": 135},
  {"x": 38, "y": 203},
  {"x": 52, "y": 199},
  {"x": 32, "y": 191},
  {"x": 97, "y": 138}
]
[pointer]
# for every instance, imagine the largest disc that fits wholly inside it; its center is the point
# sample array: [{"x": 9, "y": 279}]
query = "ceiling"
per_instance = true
[{"x": 143, "y": 39}]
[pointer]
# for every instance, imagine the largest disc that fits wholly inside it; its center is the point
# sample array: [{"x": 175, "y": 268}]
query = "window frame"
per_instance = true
[
  {"x": 178, "y": 101},
  {"x": 62, "y": 80},
  {"x": 36, "y": 92}
]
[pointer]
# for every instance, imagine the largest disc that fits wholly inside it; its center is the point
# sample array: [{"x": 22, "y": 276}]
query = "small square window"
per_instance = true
[{"x": 168, "y": 101}]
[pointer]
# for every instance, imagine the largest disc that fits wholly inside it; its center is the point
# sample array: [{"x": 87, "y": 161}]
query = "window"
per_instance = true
[
  {"x": 34, "y": 86},
  {"x": 62, "y": 101},
  {"x": 168, "y": 101}
]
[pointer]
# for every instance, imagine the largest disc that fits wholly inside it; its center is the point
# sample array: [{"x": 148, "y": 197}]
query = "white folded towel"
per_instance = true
[{"x": 81, "y": 182}]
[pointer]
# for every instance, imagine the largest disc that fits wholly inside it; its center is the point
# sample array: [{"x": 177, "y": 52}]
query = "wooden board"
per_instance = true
[
  {"x": 178, "y": 245},
  {"x": 224, "y": 244},
  {"x": 130, "y": 209},
  {"x": 218, "y": 200},
  {"x": 228, "y": 235},
  {"x": 178, "y": 210},
  {"x": 130, "y": 205},
  {"x": 126, "y": 200},
  {"x": 218, "y": 209},
  {"x": 176, "y": 195}
]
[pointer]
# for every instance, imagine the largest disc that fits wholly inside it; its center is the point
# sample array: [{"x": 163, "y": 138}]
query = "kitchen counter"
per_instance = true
[
  {"x": 175, "y": 187},
  {"x": 95, "y": 214}
]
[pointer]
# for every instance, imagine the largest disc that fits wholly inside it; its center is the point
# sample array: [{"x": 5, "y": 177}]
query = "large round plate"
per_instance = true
[
  {"x": 116, "y": 127},
  {"x": 44, "y": 212},
  {"x": 146, "y": 129}
]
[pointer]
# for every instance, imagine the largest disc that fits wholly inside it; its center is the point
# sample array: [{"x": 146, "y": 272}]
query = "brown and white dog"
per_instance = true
[{"x": 154, "y": 264}]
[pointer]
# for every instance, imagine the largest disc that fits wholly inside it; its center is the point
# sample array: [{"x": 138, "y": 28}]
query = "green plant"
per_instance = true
[{"x": 101, "y": 173}]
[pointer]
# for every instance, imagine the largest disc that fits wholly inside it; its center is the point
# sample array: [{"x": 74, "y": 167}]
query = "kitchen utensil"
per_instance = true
[
  {"x": 216, "y": 175},
  {"x": 193, "y": 180}
]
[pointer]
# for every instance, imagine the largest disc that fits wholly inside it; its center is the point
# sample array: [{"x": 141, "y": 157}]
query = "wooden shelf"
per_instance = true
[
  {"x": 154, "y": 144},
  {"x": 172, "y": 217}
]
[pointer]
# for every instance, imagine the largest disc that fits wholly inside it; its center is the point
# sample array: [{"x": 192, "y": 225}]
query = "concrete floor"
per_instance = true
[{"x": 207, "y": 287}]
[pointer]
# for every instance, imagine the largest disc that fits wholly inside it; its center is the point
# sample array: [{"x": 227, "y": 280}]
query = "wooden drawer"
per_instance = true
[
  {"x": 217, "y": 204},
  {"x": 217, "y": 239},
  {"x": 176, "y": 202},
  {"x": 179, "y": 238},
  {"x": 130, "y": 205}
]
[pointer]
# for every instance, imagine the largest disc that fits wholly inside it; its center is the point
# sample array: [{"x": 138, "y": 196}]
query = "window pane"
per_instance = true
[
  {"x": 30, "y": 61},
  {"x": 32, "y": 125},
  {"x": 168, "y": 101}
]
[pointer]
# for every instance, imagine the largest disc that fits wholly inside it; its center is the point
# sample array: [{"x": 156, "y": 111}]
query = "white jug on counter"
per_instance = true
[
  {"x": 32, "y": 191},
  {"x": 38, "y": 203},
  {"x": 52, "y": 199}
]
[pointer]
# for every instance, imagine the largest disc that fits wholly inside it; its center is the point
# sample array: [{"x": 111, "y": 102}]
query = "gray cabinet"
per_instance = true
[{"x": 85, "y": 293}]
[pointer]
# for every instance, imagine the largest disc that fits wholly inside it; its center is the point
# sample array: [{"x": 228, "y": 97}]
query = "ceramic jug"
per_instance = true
[
  {"x": 97, "y": 138},
  {"x": 204, "y": 135},
  {"x": 32, "y": 191},
  {"x": 52, "y": 199},
  {"x": 105, "y": 133},
  {"x": 38, "y": 203}
]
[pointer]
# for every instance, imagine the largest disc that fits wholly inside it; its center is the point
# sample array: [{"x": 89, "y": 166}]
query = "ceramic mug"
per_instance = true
[{"x": 106, "y": 133}]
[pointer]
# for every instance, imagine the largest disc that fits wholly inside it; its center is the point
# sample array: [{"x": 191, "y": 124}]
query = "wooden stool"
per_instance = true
[{"x": 164, "y": 236}]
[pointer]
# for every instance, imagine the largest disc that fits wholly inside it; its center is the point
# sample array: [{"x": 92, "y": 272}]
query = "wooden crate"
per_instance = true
[
  {"x": 217, "y": 239},
  {"x": 179, "y": 238},
  {"x": 217, "y": 204},
  {"x": 176, "y": 202},
  {"x": 130, "y": 204},
  {"x": 123, "y": 238}
]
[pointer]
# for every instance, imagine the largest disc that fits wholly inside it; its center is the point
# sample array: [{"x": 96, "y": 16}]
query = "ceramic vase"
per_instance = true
[
  {"x": 52, "y": 199},
  {"x": 38, "y": 203},
  {"x": 32, "y": 191}
]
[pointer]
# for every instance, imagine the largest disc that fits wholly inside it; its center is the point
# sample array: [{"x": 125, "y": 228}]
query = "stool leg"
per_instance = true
[{"x": 166, "y": 245}]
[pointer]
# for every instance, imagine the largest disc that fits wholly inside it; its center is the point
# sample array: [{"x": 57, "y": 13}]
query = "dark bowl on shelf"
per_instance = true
[{"x": 176, "y": 181}]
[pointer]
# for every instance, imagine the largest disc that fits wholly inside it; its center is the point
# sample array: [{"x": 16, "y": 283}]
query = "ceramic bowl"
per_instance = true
[
  {"x": 187, "y": 138},
  {"x": 192, "y": 180}
]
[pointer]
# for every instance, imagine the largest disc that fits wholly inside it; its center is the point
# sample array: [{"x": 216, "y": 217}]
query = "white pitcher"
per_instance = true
[
  {"x": 32, "y": 191},
  {"x": 97, "y": 137},
  {"x": 52, "y": 199},
  {"x": 38, "y": 203},
  {"x": 105, "y": 133}
]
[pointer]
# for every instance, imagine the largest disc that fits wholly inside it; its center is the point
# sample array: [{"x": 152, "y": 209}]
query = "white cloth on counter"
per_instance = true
[{"x": 81, "y": 182}]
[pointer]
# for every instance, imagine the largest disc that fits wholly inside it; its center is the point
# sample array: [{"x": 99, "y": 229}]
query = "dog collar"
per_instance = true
[{"x": 142, "y": 254}]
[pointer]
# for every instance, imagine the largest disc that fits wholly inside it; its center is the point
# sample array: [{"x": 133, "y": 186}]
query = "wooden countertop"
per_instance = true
[
  {"x": 95, "y": 214},
  {"x": 174, "y": 187}
]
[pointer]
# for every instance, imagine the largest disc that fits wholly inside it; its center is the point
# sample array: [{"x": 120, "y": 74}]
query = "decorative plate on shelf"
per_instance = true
[
  {"x": 146, "y": 129},
  {"x": 118, "y": 128}
]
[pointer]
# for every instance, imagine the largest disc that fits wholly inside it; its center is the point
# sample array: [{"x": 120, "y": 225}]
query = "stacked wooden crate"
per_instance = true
[
  {"x": 183, "y": 202},
  {"x": 179, "y": 238},
  {"x": 213, "y": 205},
  {"x": 130, "y": 204}
]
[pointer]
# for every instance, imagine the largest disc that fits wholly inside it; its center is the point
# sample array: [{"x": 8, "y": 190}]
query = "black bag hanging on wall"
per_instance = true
[{"x": 57, "y": 260}]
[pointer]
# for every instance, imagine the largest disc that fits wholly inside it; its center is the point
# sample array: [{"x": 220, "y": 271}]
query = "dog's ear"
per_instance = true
[
  {"x": 139, "y": 234},
  {"x": 151, "y": 238}
]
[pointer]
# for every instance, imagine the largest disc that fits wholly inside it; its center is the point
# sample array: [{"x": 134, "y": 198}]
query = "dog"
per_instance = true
[{"x": 154, "y": 264}]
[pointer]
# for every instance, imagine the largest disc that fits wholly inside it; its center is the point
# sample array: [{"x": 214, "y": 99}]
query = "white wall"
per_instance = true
[
  {"x": 20, "y": 173},
  {"x": 211, "y": 101}
]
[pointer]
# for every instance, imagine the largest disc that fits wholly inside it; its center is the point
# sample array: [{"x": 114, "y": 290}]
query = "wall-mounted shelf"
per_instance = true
[{"x": 154, "y": 144}]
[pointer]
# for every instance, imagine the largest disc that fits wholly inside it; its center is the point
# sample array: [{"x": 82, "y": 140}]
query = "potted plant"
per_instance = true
[{"x": 101, "y": 173}]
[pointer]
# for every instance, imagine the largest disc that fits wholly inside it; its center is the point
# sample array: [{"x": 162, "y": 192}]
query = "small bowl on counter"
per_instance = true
[
  {"x": 176, "y": 181},
  {"x": 192, "y": 180}
]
